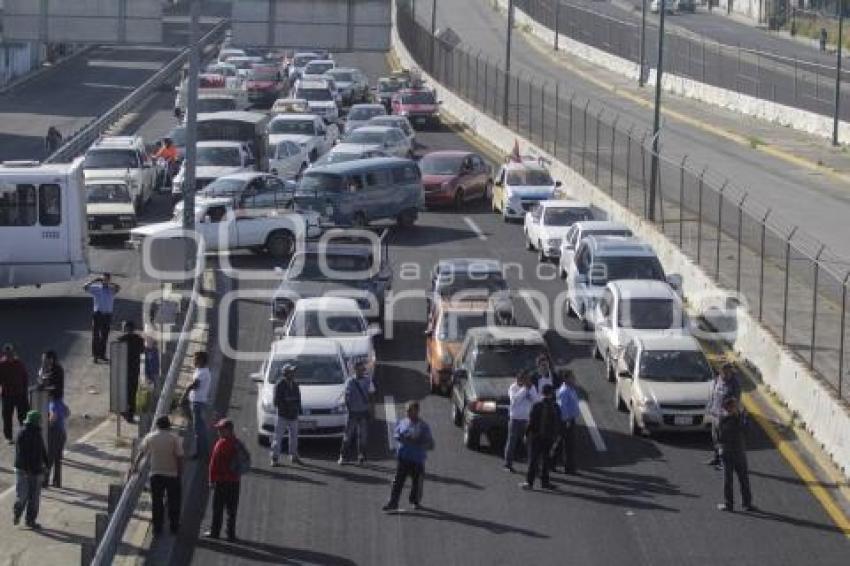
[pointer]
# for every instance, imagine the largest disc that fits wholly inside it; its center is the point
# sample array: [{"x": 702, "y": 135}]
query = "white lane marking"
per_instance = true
[
  {"x": 105, "y": 85},
  {"x": 590, "y": 424},
  {"x": 389, "y": 411},
  {"x": 474, "y": 227}
]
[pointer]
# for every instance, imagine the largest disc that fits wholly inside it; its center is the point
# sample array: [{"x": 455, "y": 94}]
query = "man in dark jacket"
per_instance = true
[
  {"x": 30, "y": 462},
  {"x": 287, "y": 401},
  {"x": 544, "y": 426},
  {"x": 135, "y": 349},
  {"x": 14, "y": 381},
  {"x": 726, "y": 384},
  {"x": 734, "y": 453}
]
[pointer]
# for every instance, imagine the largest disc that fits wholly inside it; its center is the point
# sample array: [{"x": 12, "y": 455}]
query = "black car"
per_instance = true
[{"x": 485, "y": 367}]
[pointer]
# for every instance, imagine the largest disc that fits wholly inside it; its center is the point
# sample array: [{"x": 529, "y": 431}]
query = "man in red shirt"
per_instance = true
[
  {"x": 224, "y": 480},
  {"x": 14, "y": 383}
]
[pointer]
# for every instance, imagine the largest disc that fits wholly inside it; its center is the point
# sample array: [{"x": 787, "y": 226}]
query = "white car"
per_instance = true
[
  {"x": 314, "y": 70},
  {"x": 352, "y": 84},
  {"x": 519, "y": 186},
  {"x": 122, "y": 157},
  {"x": 307, "y": 130},
  {"x": 288, "y": 159},
  {"x": 630, "y": 309},
  {"x": 581, "y": 230},
  {"x": 665, "y": 385},
  {"x": 320, "y": 371},
  {"x": 299, "y": 61},
  {"x": 226, "y": 54},
  {"x": 395, "y": 121},
  {"x": 391, "y": 141},
  {"x": 214, "y": 159},
  {"x": 339, "y": 318},
  {"x": 109, "y": 207},
  {"x": 343, "y": 156},
  {"x": 320, "y": 99},
  {"x": 360, "y": 114},
  {"x": 548, "y": 223}
]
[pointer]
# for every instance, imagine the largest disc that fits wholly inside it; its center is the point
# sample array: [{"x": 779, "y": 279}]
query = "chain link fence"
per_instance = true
[{"x": 789, "y": 282}]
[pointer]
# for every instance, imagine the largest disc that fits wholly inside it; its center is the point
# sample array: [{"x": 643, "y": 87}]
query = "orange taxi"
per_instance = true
[{"x": 445, "y": 334}]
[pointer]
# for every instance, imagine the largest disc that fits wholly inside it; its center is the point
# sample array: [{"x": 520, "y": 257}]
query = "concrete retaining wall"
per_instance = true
[
  {"x": 817, "y": 406},
  {"x": 801, "y": 120}
]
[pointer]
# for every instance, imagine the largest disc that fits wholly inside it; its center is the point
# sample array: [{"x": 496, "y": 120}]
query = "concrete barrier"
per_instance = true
[
  {"x": 819, "y": 409},
  {"x": 802, "y": 120}
]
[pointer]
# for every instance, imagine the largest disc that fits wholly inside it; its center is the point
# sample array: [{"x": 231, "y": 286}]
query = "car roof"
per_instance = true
[
  {"x": 619, "y": 245},
  {"x": 119, "y": 142},
  {"x": 244, "y": 176},
  {"x": 220, "y": 143},
  {"x": 478, "y": 265},
  {"x": 564, "y": 203},
  {"x": 448, "y": 153},
  {"x": 294, "y": 117},
  {"x": 366, "y": 105},
  {"x": 360, "y": 165},
  {"x": 503, "y": 334},
  {"x": 642, "y": 289},
  {"x": 322, "y": 61},
  {"x": 240, "y": 115},
  {"x": 375, "y": 129},
  {"x": 313, "y": 84},
  {"x": 107, "y": 181},
  {"x": 335, "y": 304},
  {"x": 362, "y": 250},
  {"x": 525, "y": 165},
  {"x": 286, "y": 347},
  {"x": 449, "y": 305},
  {"x": 344, "y": 69},
  {"x": 215, "y": 96},
  {"x": 590, "y": 225},
  {"x": 676, "y": 341}
]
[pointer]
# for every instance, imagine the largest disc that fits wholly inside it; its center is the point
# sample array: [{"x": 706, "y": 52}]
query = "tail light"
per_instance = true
[{"x": 482, "y": 406}]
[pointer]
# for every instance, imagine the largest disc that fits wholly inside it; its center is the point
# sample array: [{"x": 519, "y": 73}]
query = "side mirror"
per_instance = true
[
  {"x": 374, "y": 330},
  {"x": 675, "y": 281},
  {"x": 207, "y": 219},
  {"x": 428, "y": 333},
  {"x": 624, "y": 373},
  {"x": 440, "y": 102},
  {"x": 257, "y": 377},
  {"x": 558, "y": 184}
]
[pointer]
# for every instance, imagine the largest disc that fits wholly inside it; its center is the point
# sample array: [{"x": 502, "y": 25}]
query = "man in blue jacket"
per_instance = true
[{"x": 414, "y": 440}]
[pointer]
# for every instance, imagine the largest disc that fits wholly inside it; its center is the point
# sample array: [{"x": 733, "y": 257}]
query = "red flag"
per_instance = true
[{"x": 515, "y": 156}]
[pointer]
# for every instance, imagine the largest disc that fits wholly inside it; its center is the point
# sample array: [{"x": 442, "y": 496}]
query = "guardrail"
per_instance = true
[{"x": 80, "y": 140}]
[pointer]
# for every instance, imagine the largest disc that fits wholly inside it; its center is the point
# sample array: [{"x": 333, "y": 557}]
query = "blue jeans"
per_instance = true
[
  {"x": 356, "y": 430},
  {"x": 516, "y": 431},
  {"x": 27, "y": 494},
  {"x": 281, "y": 426},
  {"x": 199, "y": 426}
]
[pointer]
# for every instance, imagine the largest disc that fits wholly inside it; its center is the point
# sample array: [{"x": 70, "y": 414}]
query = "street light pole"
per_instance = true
[
  {"x": 641, "y": 76},
  {"x": 656, "y": 121},
  {"x": 191, "y": 121},
  {"x": 508, "y": 62},
  {"x": 433, "y": 35},
  {"x": 840, "y": 8}
]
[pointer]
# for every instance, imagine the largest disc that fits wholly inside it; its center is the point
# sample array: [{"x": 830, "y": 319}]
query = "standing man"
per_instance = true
[
  {"x": 734, "y": 453},
  {"x": 224, "y": 480},
  {"x": 14, "y": 384},
  {"x": 726, "y": 384},
  {"x": 135, "y": 349},
  {"x": 30, "y": 461},
  {"x": 51, "y": 376},
  {"x": 358, "y": 399},
  {"x": 544, "y": 425},
  {"x": 166, "y": 458},
  {"x": 198, "y": 394},
  {"x": 287, "y": 401},
  {"x": 103, "y": 292},
  {"x": 57, "y": 414},
  {"x": 414, "y": 441},
  {"x": 151, "y": 362},
  {"x": 543, "y": 374},
  {"x": 522, "y": 396},
  {"x": 568, "y": 405}
]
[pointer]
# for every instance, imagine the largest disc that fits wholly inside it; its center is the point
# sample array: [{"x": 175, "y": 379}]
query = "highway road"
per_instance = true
[{"x": 636, "y": 500}]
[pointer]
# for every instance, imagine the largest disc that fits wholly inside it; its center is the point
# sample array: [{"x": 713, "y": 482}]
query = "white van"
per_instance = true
[
  {"x": 122, "y": 157},
  {"x": 43, "y": 231}
]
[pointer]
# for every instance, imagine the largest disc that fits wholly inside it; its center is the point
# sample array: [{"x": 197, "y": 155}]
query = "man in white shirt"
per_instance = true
[
  {"x": 166, "y": 458},
  {"x": 523, "y": 396},
  {"x": 198, "y": 394}
]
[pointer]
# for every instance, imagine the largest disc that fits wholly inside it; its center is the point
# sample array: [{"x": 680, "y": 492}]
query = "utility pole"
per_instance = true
[
  {"x": 191, "y": 131},
  {"x": 433, "y": 35},
  {"x": 557, "y": 22},
  {"x": 641, "y": 73},
  {"x": 508, "y": 62},
  {"x": 840, "y": 9},
  {"x": 656, "y": 121}
]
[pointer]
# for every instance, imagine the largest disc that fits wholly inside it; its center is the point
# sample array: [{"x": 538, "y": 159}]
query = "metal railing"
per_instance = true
[
  {"x": 78, "y": 142},
  {"x": 790, "y": 282}
]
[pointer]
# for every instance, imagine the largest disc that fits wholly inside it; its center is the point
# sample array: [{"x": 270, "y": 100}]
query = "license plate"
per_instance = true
[
  {"x": 106, "y": 227},
  {"x": 307, "y": 424},
  {"x": 683, "y": 420}
]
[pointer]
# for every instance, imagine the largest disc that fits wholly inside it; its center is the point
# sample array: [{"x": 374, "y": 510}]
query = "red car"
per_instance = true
[
  {"x": 211, "y": 80},
  {"x": 264, "y": 85},
  {"x": 455, "y": 177},
  {"x": 420, "y": 106}
]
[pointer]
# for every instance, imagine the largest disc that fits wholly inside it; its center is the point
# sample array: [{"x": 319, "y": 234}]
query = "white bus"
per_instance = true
[{"x": 43, "y": 230}]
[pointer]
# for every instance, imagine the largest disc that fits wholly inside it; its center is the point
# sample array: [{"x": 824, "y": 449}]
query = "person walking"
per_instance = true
[
  {"x": 568, "y": 405},
  {"x": 544, "y": 424},
  {"x": 103, "y": 292},
  {"x": 198, "y": 394},
  {"x": 414, "y": 441},
  {"x": 165, "y": 450},
  {"x": 542, "y": 375},
  {"x": 358, "y": 400},
  {"x": 14, "y": 385},
  {"x": 152, "y": 361},
  {"x": 224, "y": 479},
  {"x": 726, "y": 384},
  {"x": 287, "y": 401},
  {"x": 523, "y": 396},
  {"x": 53, "y": 140},
  {"x": 135, "y": 349},
  {"x": 51, "y": 376},
  {"x": 57, "y": 414},
  {"x": 734, "y": 454},
  {"x": 30, "y": 461}
]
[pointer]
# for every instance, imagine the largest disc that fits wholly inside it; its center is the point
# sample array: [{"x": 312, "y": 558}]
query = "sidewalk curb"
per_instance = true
[{"x": 43, "y": 70}]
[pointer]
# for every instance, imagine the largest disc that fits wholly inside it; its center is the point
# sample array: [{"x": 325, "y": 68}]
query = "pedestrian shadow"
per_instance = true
[
  {"x": 273, "y": 554},
  {"x": 615, "y": 500},
  {"x": 794, "y": 521},
  {"x": 795, "y": 480},
  {"x": 364, "y": 479},
  {"x": 92, "y": 468},
  {"x": 430, "y": 477},
  {"x": 490, "y": 526},
  {"x": 93, "y": 451},
  {"x": 629, "y": 482},
  {"x": 280, "y": 474},
  {"x": 62, "y": 536}
]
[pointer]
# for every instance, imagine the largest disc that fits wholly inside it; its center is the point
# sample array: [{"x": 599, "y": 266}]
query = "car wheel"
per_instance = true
[
  {"x": 263, "y": 440},
  {"x": 280, "y": 244},
  {"x": 597, "y": 354},
  {"x": 634, "y": 427},
  {"x": 407, "y": 218},
  {"x": 541, "y": 255},
  {"x": 457, "y": 416},
  {"x": 360, "y": 220},
  {"x": 610, "y": 370},
  {"x": 571, "y": 312},
  {"x": 619, "y": 404},
  {"x": 471, "y": 436},
  {"x": 488, "y": 191},
  {"x": 528, "y": 245},
  {"x": 458, "y": 200}
]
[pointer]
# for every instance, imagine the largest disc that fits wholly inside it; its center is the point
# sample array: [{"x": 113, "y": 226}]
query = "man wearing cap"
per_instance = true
[
  {"x": 103, "y": 292},
  {"x": 732, "y": 433},
  {"x": 358, "y": 400},
  {"x": 166, "y": 458},
  {"x": 224, "y": 480},
  {"x": 726, "y": 384},
  {"x": 287, "y": 401},
  {"x": 30, "y": 462},
  {"x": 14, "y": 382},
  {"x": 544, "y": 425}
]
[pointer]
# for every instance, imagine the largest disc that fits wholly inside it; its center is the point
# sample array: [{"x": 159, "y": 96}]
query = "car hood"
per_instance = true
[
  {"x": 356, "y": 147},
  {"x": 550, "y": 232},
  {"x": 623, "y": 336},
  {"x": 309, "y": 289},
  {"x": 157, "y": 228},
  {"x": 354, "y": 345},
  {"x": 110, "y": 208},
  {"x": 300, "y": 139},
  {"x": 321, "y": 104},
  {"x": 676, "y": 393},
  {"x": 100, "y": 174},
  {"x": 437, "y": 179},
  {"x": 312, "y": 396},
  {"x": 418, "y": 107},
  {"x": 340, "y": 85},
  {"x": 260, "y": 85},
  {"x": 532, "y": 192},
  {"x": 495, "y": 388},
  {"x": 210, "y": 172},
  {"x": 351, "y": 125}
]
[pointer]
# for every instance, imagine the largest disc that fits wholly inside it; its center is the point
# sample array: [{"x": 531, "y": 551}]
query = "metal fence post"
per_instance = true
[
  {"x": 841, "y": 334},
  {"x": 703, "y": 58},
  {"x": 815, "y": 306},
  {"x": 570, "y": 134},
  {"x": 584, "y": 137},
  {"x": 795, "y": 78},
  {"x": 596, "y": 167},
  {"x": 543, "y": 115},
  {"x": 682, "y": 200},
  {"x": 628, "y": 165},
  {"x": 643, "y": 177},
  {"x": 613, "y": 148},
  {"x": 740, "y": 237},
  {"x": 477, "y": 64},
  {"x": 719, "y": 230},
  {"x": 700, "y": 184},
  {"x": 516, "y": 104},
  {"x": 557, "y": 118},
  {"x": 530, "y": 108},
  {"x": 787, "y": 283},
  {"x": 486, "y": 82},
  {"x": 761, "y": 267}
]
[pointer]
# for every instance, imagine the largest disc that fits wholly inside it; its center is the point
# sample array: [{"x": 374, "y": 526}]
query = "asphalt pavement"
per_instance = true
[{"x": 636, "y": 500}]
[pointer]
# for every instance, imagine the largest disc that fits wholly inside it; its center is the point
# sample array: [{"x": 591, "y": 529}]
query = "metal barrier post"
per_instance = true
[
  {"x": 719, "y": 230},
  {"x": 787, "y": 283},
  {"x": 477, "y": 63},
  {"x": 815, "y": 305},
  {"x": 628, "y": 166},
  {"x": 530, "y": 108},
  {"x": 700, "y": 184},
  {"x": 516, "y": 103},
  {"x": 761, "y": 267},
  {"x": 584, "y": 137},
  {"x": 596, "y": 166},
  {"x": 570, "y": 135},
  {"x": 682, "y": 200},
  {"x": 543, "y": 115},
  {"x": 613, "y": 148},
  {"x": 841, "y": 338},
  {"x": 740, "y": 237},
  {"x": 557, "y": 118}
]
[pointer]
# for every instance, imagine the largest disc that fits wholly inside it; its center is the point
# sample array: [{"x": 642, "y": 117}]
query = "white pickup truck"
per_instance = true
[{"x": 224, "y": 228}]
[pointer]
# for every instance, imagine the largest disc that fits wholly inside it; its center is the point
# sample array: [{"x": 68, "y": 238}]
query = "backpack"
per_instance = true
[{"x": 242, "y": 462}]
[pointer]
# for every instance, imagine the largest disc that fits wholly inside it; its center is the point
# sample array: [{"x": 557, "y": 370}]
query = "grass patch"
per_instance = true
[{"x": 755, "y": 142}]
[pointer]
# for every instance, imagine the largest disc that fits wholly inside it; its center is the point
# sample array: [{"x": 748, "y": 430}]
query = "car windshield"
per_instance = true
[
  {"x": 315, "y": 94},
  {"x": 96, "y": 194},
  {"x": 304, "y": 58},
  {"x": 531, "y": 177},
  {"x": 302, "y": 127},
  {"x": 319, "y": 183},
  {"x": 454, "y": 324},
  {"x": 389, "y": 86},
  {"x": 342, "y": 76},
  {"x": 566, "y": 216},
  {"x": 222, "y": 187},
  {"x": 216, "y": 104},
  {"x": 310, "y": 370},
  {"x": 309, "y": 267},
  {"x": 178, "y": 136},
  {"x": 613, "y": 232},
  {"x": 648, "y": 314},
  {"x": 441, "y": 164},
  {"x": 419, "y": 97},
  {"x": 263, "y": 75},
  {"x": 315, "y": 68},
  {"x": 219, "y": 157},
  {"x": 111, "y": 159},
  {"x": 324, "y": 324},
  {"x": 675, "y": 366},
  {"x": 474, "y": 284},
  {"x": 505, "y": 360},
  {"x": 614, "y": 268},
  {"x": 365, "y": 113},
  {"x": 365, "y": 137}
]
